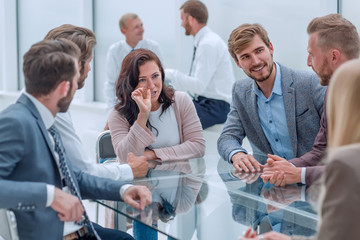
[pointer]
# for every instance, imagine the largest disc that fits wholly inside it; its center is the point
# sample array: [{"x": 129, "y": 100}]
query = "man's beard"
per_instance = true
[
  {"x": 262, "y": 79},
  {"x": 187, "y": 29},
  {"x": 64, "y": 103},
  {"x": 324, "y": 73},
  {"x": 82, "y": 78}
]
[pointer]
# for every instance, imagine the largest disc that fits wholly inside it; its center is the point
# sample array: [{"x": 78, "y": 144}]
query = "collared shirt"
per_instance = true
[
  {"x": 212, "y": 74},
  {"x": 116, "y": 54},
  {"x": 77, "y": 154},
  {"x": 272, "y": 117}
]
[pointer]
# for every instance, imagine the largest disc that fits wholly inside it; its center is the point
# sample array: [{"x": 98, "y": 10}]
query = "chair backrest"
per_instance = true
[
  {"x": 104, "y": 147},
  {"x": 8, "y": 227}
]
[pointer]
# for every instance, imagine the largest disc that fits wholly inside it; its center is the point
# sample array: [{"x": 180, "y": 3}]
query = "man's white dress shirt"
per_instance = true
[
  {"x": 78, "y": 157},
  {"x": 211, "y": 74}
]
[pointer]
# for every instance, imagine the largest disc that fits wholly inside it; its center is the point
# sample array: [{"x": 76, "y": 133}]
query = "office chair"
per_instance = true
[
  {"x": 104, "y": 147},
  {"x": 104, "y": 153},
  {"x": 8, "y": 227}
]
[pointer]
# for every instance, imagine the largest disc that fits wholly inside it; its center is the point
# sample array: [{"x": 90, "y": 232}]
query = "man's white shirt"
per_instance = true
[{"x": 212, "y": 74}]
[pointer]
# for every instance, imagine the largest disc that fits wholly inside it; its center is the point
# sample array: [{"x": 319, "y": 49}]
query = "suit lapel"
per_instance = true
[
  {"x": 28, "y": 104},
  {"x": 254, "y": 118},
  {"x": 289, "y": 105}
]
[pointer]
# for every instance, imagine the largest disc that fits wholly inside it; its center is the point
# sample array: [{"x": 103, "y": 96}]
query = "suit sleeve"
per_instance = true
[
  {"x": 233, "y": 132},
  {"x": 22, "y": 195},
  {"x": 92, "y": 187}
]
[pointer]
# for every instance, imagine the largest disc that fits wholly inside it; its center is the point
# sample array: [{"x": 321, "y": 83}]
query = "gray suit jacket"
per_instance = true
[
  {"x": 27, "y": 164},
  {"x": 303, "y": 101}
]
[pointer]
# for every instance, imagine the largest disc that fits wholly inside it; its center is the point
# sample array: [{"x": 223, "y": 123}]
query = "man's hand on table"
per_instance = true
[
  {"x": 279, "y": 171},
  {"x": 246, "y": 162}
]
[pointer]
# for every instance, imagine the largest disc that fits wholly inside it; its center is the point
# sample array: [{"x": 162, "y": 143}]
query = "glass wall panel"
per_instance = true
[
  {"x": 37, "y": 17},
  {"x": 285, "y": 21}
]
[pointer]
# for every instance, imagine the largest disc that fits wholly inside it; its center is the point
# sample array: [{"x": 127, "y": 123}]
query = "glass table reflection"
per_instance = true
[{"x": 208, "y": 199}]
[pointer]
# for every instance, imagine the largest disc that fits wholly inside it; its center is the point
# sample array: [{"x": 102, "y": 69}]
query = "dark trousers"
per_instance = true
[
  {"x": 211, "y": 111},
  {"x": 110, "y": 234}
]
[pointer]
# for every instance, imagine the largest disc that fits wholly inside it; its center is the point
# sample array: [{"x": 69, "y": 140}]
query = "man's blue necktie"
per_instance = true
[
  {"x": 192, "y": 62},
  {"x": 64, "y": 169}
]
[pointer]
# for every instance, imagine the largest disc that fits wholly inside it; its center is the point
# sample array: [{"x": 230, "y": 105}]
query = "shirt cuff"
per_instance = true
[
  {"x": 303, "y": 193},
  {"x": 233, "y": 153},
  {"x": 127, "y": 173},
  {"x": 123, "y": 189},
  {"x": 303, "y": 172},
  {"x": 50, "y": 192}
]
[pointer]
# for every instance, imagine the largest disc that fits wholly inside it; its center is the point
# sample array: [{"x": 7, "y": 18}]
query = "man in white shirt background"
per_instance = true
[
  {"x": 132, "y": 28},
  {"x": 211, "y": 75}
]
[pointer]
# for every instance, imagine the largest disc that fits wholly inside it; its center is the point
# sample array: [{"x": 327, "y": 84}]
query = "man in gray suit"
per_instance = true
[
  {"x": 36, "y": 180},
  {"x": 277, "y": 108},
  {"x": 333, "y": 40}
]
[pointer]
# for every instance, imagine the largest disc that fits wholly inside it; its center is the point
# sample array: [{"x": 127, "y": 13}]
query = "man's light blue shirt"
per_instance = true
[{"x": 272, "y": 117}]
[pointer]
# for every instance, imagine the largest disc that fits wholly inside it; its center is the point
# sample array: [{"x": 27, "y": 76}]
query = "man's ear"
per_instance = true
[
  {"x": 191, "y": 20},
  {"x": 335, "y": 55},
  {"x": 123, "y": 30},
  {"x": 63, "y": 88},
  {"x": 271, "y": 48}
]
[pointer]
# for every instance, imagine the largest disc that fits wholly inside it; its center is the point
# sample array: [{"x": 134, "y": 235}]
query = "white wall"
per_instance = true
[{"x": 350, "y": 10}]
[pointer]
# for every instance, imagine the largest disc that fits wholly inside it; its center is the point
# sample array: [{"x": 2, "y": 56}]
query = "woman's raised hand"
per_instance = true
[{"x": 142, "y": 97}]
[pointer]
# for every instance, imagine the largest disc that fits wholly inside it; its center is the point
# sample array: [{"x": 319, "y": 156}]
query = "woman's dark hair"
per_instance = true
[{"x": 129, "y": 79}]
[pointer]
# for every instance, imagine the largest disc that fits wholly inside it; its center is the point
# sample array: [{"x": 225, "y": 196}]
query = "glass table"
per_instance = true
[{"x": 208, "y": 199}]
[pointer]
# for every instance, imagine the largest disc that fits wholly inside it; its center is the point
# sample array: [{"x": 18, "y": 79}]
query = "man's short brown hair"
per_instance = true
[
  {"x": 196, "y": 9},
  {"x": 241, "y": 37},
  {"x": 334, "y": 31},
  {"x": 83, "y": 37},
  {"x": 48, "y": 63}
]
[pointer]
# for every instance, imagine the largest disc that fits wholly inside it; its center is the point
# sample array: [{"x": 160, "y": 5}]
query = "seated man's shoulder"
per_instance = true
[{"x": 243, "y": 84}]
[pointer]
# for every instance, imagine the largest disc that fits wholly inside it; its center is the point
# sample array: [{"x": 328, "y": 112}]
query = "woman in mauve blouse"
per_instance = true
[{"x": 151, "y": 119}]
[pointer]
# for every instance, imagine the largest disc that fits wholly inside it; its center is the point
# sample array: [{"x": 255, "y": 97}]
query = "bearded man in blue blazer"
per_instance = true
[
  {"x": 36, "y": 180},
  {"x": 277, "y": 108}
]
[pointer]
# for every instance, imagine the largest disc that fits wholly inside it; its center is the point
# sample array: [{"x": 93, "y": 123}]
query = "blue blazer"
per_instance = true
[
  {"x": 303, "y": 101},
  {"x": 27, "y": 164}
]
